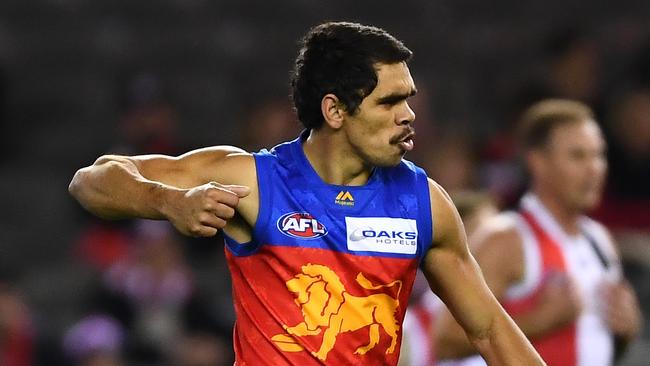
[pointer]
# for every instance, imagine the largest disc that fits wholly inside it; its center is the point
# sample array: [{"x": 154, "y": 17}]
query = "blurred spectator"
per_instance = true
[
  {"x": 474, "y": 208},
  {"x": 500, "y": 172},
  {"x": 627, "y": 200},
  {"x": 16, "y": 332},
  {"x": 151, "y": 295},
  {"x": 629, "y": 125},
  {"x": 570, "y": 68},
  {"x": 626, "y": 204},
  {"x": 147, "y": 292},
  {"x": 573, "y": 69},
  {"x": 201, "y": 349},
  {"x": 451, "y": 162},
  {"x": 96, "y": 340},
  {"x": 556, "y": 271},
  {"x": 103, "y": 243}
]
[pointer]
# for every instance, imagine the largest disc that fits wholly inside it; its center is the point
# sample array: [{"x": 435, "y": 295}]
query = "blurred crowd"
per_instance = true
[{"x": 151, "y": 297}]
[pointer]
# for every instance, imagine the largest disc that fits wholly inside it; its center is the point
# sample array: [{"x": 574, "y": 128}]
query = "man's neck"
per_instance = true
[
  {"x": 567, "y": 218},
  {"x": 334, "y": 160}
]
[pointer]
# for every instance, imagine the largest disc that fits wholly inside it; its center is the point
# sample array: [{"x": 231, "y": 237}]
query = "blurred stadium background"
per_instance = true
[{"x": 82, "y": 78}]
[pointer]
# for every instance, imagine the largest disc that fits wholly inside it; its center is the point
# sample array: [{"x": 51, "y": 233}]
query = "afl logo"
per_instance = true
[{"x": 301, "y": 225}]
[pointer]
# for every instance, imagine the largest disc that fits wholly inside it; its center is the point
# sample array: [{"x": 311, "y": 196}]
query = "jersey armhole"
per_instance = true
[
  {"x": 262, "y": 168},
  {"x": 532, "y": 262},
  {"x": 425, "y": 218},
  {"x": 597, "y": 235}
]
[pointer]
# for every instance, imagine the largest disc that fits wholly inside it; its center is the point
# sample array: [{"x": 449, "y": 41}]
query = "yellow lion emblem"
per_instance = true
[{"x": 325, "y": 303}]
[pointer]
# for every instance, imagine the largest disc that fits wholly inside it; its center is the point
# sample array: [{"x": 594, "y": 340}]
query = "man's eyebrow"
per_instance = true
[{"x": 396, "y": 97}]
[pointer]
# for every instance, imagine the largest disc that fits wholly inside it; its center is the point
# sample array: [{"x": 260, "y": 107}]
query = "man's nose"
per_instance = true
[{"x": 407, "y": 115}]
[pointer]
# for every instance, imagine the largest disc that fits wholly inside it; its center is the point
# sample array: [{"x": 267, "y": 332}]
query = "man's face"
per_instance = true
[
  {"x": 573, "y": 164},
  {"x": 380, "y": 132}
]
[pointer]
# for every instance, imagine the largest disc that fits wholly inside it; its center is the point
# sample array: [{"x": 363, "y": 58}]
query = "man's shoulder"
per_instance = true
[
  {"x": 283, "y": 153},
  {"x": 591, "y": 224},
  {"x": 225, "y": 164},
  {"x": 407, "y": 172},
  {"x": 498, "y": 246},
  {"x": 231, "y": 154},
  {"x": 600, "y": 233},
  {"x": 407, "y": 165},
  {"x": 502, "y": 232}
]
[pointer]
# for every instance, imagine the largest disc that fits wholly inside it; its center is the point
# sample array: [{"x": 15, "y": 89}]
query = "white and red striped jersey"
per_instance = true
[{"x": 589, "y": 259}]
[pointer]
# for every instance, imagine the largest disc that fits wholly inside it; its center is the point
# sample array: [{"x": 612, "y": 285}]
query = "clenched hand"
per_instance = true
[{"x": 203, "y": 210}]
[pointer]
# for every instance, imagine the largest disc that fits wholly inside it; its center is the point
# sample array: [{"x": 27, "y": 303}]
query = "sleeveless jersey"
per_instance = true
[
  {"x": 326, "y": 278},
  {"x": 589, "y": 259}
]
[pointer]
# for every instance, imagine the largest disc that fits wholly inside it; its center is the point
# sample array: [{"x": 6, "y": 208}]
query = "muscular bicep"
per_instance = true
[
  {"x": 226, "y": 165},
  {"x": 196, "y": 167},
  {"x": 497, "y": 248},
  {"x": 451, "y": 270},
  {"x": 457, "y": 280}
]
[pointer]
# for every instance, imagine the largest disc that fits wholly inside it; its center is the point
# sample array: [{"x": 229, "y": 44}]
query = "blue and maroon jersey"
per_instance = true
[{"x": 327, "y": 275}]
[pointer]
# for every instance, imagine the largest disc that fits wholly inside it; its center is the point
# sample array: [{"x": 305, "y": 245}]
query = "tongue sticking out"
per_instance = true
[{"x": 406, "y": 145}]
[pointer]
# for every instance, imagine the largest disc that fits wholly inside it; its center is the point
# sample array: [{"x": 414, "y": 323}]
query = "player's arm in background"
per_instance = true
[
  {"x": 198, "y": 192},
  {"x": 497, "y": 247},
  {"x": 455, "y": 277},
  {"x": 620, "y": 305}
]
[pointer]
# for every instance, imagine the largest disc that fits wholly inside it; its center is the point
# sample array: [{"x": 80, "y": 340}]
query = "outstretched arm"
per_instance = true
[
  {"x": 193, "y": 191},
  {"x": 455, "y": 277}
]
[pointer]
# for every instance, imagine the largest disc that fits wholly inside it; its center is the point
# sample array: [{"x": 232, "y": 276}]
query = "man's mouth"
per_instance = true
[
  {"x": 405, "y": 142},
  {"x": 406, "y": 145}
]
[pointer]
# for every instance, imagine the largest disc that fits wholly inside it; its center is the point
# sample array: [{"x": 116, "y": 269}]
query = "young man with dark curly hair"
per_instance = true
[{"x": 324, "y": 233}]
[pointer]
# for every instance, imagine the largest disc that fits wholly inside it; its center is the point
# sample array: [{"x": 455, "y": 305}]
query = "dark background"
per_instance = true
[{"x": 83, "y": 78}]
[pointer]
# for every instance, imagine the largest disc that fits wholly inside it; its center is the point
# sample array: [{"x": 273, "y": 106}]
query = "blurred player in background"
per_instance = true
[
  {"x": 17, "y": 335},
  {"x": 323, "y": 234},
  {"x": 556, "y": 271},
  {"x": 474, "y": 207}
]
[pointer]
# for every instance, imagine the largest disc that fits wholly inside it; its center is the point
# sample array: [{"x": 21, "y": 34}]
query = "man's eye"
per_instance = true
[
  {"x": 578, "y": 154},
  {"x": 390, "y": 102}
]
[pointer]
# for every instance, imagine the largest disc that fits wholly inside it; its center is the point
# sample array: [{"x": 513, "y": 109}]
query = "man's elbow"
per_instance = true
[
  {"x": 451, "y": 347},
  {"x": 80, "y": 188},
  {"x": 480, "y": 343},
  {"x": 84, "y": 184},
  {"x": 75, "y": 188},
  {"x": 81, "y": 179}
]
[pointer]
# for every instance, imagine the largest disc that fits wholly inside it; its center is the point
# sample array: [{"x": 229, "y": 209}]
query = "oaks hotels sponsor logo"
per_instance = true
[{"x": 382, "y": 234}]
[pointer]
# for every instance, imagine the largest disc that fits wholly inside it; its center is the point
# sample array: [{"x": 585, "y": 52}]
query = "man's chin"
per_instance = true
[
  {"x": 389, "y": 162},
  {"x": 394, "y": 163},
  {"x": 589, "y": 204}
]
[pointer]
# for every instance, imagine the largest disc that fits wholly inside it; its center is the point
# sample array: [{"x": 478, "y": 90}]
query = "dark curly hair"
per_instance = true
[{"x": 339, "y": 58}]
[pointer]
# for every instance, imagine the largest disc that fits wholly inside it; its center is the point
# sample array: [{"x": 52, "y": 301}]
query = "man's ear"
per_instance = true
[
  {"x": 536, "y": 159},
  {"x": 333, "y": 111}
]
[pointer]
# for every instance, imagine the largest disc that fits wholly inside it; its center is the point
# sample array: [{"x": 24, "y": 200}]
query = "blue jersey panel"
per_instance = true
[{"x": 388, "y": 216}]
